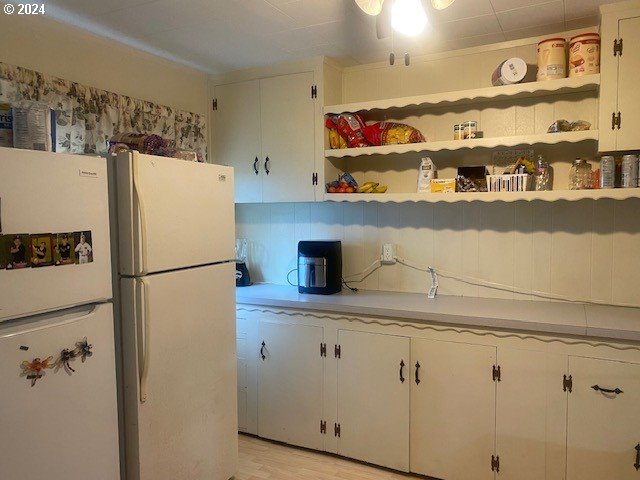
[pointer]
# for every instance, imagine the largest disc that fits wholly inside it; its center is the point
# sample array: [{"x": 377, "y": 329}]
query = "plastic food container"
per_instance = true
[
  {"x": 458, "y": 132},
  {"x": 584, "y": 54},
  {"x": 519, "y": 182},
  {"x": 469, "y": 129},
  {"x": 512, "y": 70},
  {"x": 552, "y": 59}
]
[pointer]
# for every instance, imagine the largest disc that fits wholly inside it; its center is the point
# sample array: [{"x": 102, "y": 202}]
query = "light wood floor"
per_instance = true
[{"x": 261, "y": 459}]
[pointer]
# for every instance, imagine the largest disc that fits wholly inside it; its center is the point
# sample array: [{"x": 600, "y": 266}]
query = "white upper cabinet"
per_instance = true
[
  {"x": 620, "y": 64},
  {"x": 265, "y": 129}
]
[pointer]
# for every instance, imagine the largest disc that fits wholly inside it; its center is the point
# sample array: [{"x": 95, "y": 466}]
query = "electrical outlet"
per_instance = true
[{"x": 388, "y": 254}]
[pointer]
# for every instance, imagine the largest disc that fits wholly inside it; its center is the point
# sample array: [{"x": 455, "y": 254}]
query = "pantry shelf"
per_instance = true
[
  {"x": 553, "y": 196},
  {"x": 477, "y": 95},
  {"x": 452, "y": 145}
]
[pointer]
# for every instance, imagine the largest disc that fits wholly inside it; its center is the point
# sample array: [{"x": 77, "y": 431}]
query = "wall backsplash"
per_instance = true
[{"x": 587, "y": 249}]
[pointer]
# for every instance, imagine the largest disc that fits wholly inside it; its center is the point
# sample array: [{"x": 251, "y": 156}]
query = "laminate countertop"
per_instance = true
[{"x": 585, "y": 320}]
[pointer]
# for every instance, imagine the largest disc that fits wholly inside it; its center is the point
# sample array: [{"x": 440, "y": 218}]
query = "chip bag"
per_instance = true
[
  {"x": 391, "y": 133},
  {"x": 350, "y": 127}
]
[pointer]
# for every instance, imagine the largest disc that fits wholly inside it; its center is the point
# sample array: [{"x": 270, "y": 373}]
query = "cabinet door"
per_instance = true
[
  {"x": 290, "y": 381},
  {"x": 452, "y": 409},
  {"x": 373, "y": 401},
  {"x": 531, "y": 415},
  {"x": 237, "y": 137},
  {"x": 288, "y": 141},
  {"x": 628, "y": 91},
  {"x": 248, "y": 355},
  {"x": 603, "y": 429}
]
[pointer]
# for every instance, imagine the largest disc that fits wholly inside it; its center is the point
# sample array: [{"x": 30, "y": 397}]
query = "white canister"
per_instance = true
[
  {"x": 512, "y": 70},
  {"x": 552, "y": 59},
  {"x": 584, "y": 54}
]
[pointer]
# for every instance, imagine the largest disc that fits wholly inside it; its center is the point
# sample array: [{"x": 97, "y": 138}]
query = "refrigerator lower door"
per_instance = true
[
  {"x": 50, "y": 193},
  {"x": 180, "y": 374},
  {"x": 65, "y": 424},
  {"x": 173, "y": 214}
]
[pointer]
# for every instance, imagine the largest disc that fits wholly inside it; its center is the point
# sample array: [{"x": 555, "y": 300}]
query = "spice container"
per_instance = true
[
  {"x": 552, "y": 59},
  {"x": 584, "y": 55},
  {"x": 607, "y": 172},
  {"x": 458, "y": 132},
  {"x": 629, "y": 171},
  {"x": 580, "y": 175}
]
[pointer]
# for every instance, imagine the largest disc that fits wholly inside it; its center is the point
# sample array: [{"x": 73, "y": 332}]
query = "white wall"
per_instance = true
[
  {"x": 53, "y": 48},
  {"x": 587, "y": 249}
]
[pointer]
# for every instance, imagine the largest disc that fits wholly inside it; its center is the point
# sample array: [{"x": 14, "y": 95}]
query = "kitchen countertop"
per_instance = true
[{"x": 561, "y": 318}]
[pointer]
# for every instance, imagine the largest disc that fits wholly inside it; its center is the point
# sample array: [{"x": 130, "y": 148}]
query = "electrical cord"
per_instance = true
[{"x": 289, "y": 281}]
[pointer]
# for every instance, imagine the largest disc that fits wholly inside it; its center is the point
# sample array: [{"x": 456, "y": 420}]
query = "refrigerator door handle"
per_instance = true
[
  {"x": 143, "y": 220},
  {"x": 142, "y": 319}
]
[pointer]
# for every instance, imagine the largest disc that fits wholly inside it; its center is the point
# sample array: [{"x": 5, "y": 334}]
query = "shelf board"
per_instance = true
[
  {"x": 553, "y": 196},
  {"x": 452, "y": 145},
  {"x": 585, "y": 83}
]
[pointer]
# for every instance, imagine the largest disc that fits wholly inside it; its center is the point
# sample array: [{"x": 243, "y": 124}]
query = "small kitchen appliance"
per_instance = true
[
  {"x": 243, "y": 279},
  {"x": 320, "y": 266}
]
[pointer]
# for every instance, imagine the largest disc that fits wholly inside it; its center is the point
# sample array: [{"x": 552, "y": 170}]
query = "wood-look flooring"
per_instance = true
[{"x": 261, "y": 459}]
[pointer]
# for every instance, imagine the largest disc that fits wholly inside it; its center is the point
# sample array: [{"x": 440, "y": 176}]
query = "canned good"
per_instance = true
[
  {"x": 584, "y": 54},
  {"x": 458, "y": 132},
  {"x": 470, "y": 129},
  {"x": 629, "y": 171},
  {"x": 552, "y": 59},
  {"x": 607, "y": 172},
  {"x": 512, "y": 70}
]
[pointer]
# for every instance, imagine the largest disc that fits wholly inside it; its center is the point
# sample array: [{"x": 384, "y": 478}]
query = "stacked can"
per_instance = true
[
  {"x": 630, "y": 169},
  {"x": 607, "y": 172}
]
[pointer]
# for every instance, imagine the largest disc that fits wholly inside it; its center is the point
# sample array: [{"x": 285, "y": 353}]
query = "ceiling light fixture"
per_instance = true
[
  {"x": 441, "y": 4},
  {"x": 408, "y": 17},
  {"x": 370, "y": 7}
]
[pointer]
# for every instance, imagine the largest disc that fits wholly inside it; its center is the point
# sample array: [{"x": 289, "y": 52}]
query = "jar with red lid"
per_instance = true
[{"x": 584, "y": 54}]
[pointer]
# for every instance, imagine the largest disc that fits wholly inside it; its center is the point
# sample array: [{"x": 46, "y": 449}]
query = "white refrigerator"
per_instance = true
[
  {"x": 176, "y": 266},
  {"x": 58, "y": 414}
]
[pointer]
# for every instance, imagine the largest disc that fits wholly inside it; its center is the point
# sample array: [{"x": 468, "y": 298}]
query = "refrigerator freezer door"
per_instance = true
[
  {"x": 42, "y": 192},
  {"x": 179, "y": 351},
  {"x": 65, "y": 426},
  {"x": 173, "y": 214}
]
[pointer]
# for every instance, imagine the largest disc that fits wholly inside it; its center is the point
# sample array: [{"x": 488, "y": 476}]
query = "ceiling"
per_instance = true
[{"x": 217, "y": 36}]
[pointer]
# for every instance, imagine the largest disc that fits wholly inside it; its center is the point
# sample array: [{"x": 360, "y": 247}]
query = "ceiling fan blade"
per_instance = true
[{"x": 383, "y": 22}]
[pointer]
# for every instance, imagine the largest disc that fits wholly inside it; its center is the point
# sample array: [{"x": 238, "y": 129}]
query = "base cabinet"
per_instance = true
[
  {"x": 603, "y": 438},
  {"x": 290, "y": 384},
  {"x": 452, "y": 409},
  {"x": 373, "y": 398}
]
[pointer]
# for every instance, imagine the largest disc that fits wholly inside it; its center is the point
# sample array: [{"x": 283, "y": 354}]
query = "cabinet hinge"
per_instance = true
[
  {"x": 323, "y": 349},
  {"x": 567, "y": 383},
  {"x": 336, "y": 430},
  {"x": 616, "y": 120},
  {"x": 214, "y": 104},
  {"x": 495, "y": 463},
  {"x": 314, "y": 91},
  {"x": 314, "y": 179},
  {"x": 617, "y": 47},
  {"x": 337, "y": 351},
  {"x": 497, "y": 374},
  {"x": 323, "y": 427}
]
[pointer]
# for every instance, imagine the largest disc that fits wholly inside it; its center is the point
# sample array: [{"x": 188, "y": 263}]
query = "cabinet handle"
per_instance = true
[
  {"x": 255, "y": 165},
  {"x": 613, "y": 121},
  {"x": 401, "y": 370},
  {"x": 637, "y": 464},
  {"x": 262, "y": 351},
  {"x": 266, "y": 165},
  {"x": 597, "y": 388},
  {"x": 417, "y": 370}
]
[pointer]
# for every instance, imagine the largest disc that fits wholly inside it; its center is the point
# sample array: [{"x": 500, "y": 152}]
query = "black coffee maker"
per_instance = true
[{"x": 243, "y": 279}]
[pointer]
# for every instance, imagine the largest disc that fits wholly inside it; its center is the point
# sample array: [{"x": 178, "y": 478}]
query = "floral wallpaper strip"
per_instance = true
[{"x": 87, "y": 117}]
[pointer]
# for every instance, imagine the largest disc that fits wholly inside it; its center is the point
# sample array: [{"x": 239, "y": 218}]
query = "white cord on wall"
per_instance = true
[{"x": 484, "y": 283}]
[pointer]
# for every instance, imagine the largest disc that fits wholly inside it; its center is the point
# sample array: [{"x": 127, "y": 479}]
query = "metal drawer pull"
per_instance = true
[
  {"x": 266, "y": 165},
  {"x": 597, "y": 388},
  {"x": 417, "y": 370},
  {"x": 637, "y": 464},
  {"x": 401, "y": 369},
  {"x": 262, "y": 351},
  {"x": 255, "y": 165}
]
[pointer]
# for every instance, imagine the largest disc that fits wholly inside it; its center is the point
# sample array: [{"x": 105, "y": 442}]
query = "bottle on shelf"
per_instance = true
[{"x": 544, "y": 178}]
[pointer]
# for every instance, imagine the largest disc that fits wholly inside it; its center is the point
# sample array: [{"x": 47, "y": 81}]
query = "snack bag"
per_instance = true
[
  {"x": 350, "y": 127},
  {"x": 391, "y": 133}
]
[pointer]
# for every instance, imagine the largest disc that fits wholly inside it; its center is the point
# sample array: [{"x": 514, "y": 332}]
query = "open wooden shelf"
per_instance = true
[
  {"x": 452, "y": 145},
  {"x": 552, "y": 196},
  {"x": 477, "y": 95}
]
